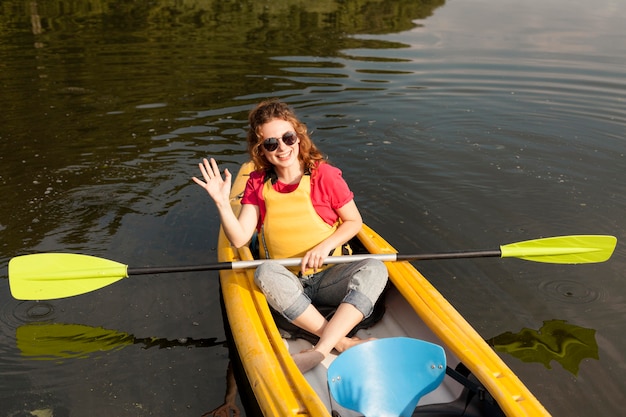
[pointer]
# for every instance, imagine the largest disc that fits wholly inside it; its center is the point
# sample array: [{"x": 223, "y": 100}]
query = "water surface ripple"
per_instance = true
[{"x": 458, "y": 125}]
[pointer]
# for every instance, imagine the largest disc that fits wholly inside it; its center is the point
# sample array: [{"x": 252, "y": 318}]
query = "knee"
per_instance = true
[
  {"x": 264, "y": 275},
  {"x": 281, "y": 288},
  {"x": 272, "y": 276},
  {"x": 373, "y": 280},
  {"x": 378, "y": 273},
  {"x": 377, "y": 265}
]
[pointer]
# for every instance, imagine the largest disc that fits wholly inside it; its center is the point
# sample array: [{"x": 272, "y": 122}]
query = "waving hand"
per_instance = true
[{"x": 217, "y": 187}]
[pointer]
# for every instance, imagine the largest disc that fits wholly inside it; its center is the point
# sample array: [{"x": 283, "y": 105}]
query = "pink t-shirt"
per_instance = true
[{"x": 329, "y": 192}]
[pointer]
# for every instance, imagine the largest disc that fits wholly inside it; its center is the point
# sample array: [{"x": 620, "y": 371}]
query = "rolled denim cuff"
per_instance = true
[
  {"x": 360, "y": 301},
  {"x": 297, "y": 308}
]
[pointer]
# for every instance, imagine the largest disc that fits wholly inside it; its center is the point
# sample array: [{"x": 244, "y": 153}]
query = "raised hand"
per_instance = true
[{"x": 216, "y": 186}]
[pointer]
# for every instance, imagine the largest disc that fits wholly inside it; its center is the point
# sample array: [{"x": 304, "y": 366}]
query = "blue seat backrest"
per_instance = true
[{"x": 386, "y": 377}]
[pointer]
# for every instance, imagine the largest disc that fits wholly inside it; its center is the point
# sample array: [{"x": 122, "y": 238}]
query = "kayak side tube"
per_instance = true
[
  {"x": 280, "y": 388},
  {"x": 514, "y": 398}
]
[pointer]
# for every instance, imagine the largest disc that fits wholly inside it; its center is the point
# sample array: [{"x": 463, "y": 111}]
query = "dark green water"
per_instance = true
[{"x": 459, "y": 125}]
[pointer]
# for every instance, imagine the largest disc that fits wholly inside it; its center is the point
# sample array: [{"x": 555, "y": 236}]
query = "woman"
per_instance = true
[{"x": 301, "y": 207}]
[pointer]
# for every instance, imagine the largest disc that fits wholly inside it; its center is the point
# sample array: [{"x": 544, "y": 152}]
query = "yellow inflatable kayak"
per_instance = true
[{"x": 478, "y": 383}]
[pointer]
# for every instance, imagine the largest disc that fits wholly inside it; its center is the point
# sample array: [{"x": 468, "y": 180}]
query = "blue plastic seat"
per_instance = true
[{"x": 386, "y": 377}]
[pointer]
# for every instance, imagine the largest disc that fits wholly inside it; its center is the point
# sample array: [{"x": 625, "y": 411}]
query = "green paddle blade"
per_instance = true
[
  {"x": 574, "y": 249},
  {"x": 47, "y": 276}
]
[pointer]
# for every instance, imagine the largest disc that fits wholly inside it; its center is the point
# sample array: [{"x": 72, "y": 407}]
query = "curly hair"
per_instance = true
[{"x": 309, "y": 156}]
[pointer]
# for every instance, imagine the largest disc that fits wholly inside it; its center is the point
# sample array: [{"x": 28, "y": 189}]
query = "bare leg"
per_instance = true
[{"x": 332, "y": 333}]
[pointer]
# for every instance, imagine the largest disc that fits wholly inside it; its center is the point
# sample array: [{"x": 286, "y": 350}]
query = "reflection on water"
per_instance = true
[
  {"x": 556, "y": 340},
  {"x": 115, "y": 96},
  {"x": 54, "y": 341},
  {"x": 109, "y": 105},
  {"x": 458, "y": 125}
]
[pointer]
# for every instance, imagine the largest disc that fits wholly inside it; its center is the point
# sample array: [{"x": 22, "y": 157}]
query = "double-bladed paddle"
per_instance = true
[{"x": 47, "y": 276}]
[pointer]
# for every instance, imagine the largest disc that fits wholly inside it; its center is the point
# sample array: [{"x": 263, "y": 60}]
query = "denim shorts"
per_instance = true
[{"x": 358, "y": 283}]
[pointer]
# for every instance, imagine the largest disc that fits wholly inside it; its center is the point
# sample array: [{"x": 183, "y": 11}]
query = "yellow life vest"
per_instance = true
[{"x": 291, "y": 225}]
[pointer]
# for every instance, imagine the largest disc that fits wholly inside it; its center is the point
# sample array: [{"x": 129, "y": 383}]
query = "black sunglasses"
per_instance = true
[{"x": 271, "y": 144}]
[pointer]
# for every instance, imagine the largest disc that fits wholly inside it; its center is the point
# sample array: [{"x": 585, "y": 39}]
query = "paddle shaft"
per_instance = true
[{"x": 387, "y": 257}]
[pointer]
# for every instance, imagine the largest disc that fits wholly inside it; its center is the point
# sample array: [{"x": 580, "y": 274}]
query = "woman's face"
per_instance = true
[{"x": 285, "y": 155}]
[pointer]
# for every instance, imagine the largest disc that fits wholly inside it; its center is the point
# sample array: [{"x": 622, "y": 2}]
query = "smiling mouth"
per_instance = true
[{"x": 284, "y": 155}]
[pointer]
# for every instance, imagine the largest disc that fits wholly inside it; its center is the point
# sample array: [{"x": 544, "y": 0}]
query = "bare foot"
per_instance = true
[
  {"x": 349, "y": 342},
  {"x": 308, "y": 359}
]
